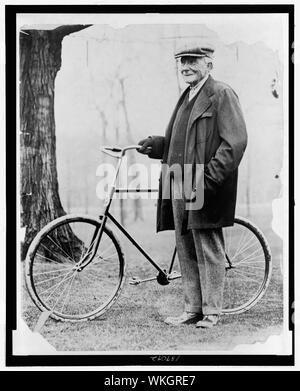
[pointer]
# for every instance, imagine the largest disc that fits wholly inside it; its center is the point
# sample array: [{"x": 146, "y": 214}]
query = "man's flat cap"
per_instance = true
[{"x": 195, "y": 50}]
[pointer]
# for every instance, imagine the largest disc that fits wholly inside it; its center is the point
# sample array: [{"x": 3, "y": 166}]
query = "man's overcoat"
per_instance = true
[{"x": 216, "y": 137}]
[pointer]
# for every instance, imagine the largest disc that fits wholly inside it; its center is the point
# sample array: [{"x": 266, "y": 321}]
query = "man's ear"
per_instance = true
[{"x": 210, "y": 66}]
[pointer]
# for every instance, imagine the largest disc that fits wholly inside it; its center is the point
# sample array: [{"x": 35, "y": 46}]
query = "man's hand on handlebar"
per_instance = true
[{"x": 146, "y": 146}]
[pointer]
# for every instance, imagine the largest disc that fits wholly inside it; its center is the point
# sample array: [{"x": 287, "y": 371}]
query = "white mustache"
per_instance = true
[{"x": 188, "y": 72}]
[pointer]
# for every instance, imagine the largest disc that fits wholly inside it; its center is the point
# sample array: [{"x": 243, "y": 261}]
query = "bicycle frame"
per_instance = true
[{"x": 163, "y": 277}]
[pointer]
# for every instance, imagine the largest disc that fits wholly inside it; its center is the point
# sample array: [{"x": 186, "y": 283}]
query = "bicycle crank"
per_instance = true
[
  {"x": 162, "y": 278},
  {"x": 137, "y": 280}
]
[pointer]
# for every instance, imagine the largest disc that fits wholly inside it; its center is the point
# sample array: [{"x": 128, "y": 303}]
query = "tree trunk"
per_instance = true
[{"x": 40, "y": 60}]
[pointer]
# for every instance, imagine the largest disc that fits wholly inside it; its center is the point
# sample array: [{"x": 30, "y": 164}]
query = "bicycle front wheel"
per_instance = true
[
  {"x": 248, "y": 266},
  {"x": 53, "y": 279}
]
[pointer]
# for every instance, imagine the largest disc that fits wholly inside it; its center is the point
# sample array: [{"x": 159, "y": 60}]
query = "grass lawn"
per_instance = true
[{"x": 135, "y": 322}]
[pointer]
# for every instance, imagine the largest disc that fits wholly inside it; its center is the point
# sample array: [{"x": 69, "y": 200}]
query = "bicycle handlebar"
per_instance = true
[{"x": 119, "y": 152}]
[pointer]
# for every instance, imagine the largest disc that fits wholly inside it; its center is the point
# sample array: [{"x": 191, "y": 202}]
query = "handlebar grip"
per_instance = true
[{"x": 113, "y": 149}]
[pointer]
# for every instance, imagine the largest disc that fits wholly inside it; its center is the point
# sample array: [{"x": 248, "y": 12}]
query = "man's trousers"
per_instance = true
[{"x": 201, "y": 254}]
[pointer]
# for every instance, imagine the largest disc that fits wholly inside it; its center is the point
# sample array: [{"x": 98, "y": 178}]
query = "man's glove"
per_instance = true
[{"x": 146, "y": 146}]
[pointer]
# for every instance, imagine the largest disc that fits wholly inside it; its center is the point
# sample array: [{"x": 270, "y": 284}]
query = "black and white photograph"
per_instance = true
[{"x": 153, "y": 185}]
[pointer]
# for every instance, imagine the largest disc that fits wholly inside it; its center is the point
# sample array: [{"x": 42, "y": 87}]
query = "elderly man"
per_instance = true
[{"x": 207, "y": 129}]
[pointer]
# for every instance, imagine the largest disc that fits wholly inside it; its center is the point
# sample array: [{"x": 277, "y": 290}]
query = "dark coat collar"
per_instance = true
[{"x": 202, "y": 101}]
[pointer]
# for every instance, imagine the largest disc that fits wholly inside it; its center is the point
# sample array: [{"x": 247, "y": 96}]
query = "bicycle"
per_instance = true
[{"x": 75, "y": 266}]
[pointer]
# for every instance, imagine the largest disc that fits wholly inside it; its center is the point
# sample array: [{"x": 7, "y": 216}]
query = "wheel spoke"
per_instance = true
[
  {"x": 90, "y": 276},
  {"x": 108, "y": 248},
  {"x": 239, "y": 246},
  {"x": 66, "y": 279},
  {"x": 47, "y": 249},
  {"x": 244, "y": 275},
  {"x": 229, "y": 241},
  {"x": 251, "y": 266},
  {"x": 62, "y": 292},
  {"x": 248, "y": 257},
  {"x": 48, "y": 259},
  {"x": 108, "y": 257},
  {"x": 50, "y": 279},
  {"x": 67, "y": 297},
  {"x": 249, "y": 261},
  {"x": 55, "y": 285},
  {"x": 69, "y": 243},
  {"x": 51, "y": 271},
  {"x": 245, "y": 247},
  {"x": 88, "y": 251},
  {"x": 60, "y": 248}
]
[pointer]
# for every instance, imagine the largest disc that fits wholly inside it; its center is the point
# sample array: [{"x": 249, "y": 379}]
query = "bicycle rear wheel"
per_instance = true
[
  {"x": 53, "y": 279},
  {"x": 248, "y": 266}
]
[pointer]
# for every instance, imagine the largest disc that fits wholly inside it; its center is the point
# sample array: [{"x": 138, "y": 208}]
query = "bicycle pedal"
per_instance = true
[{"x": 134, "y": 281}]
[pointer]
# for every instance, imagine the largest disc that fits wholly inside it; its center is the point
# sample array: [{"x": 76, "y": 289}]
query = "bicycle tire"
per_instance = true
[
  {"x": 260, "y": 269},
  {"x": 57, "y": 261}
]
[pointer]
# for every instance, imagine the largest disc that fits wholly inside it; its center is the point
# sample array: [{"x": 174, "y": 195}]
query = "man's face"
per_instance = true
[{"x": 193, "y": 69}]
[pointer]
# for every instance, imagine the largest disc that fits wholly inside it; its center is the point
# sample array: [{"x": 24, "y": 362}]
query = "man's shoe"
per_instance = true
[
  {"x": 208, "y": 321},
  {"x": 185, "y": 318}
]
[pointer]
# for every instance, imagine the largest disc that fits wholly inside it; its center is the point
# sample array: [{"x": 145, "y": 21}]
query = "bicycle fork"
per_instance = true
[
  {"x": 92, "y": 250},
  {"x": 89, "y": 256}
]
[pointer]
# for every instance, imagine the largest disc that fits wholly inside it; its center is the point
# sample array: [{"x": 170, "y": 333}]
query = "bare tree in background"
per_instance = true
[
  {"x": 176, "y": 36},
  {"x": 131, "y": 157},
  {"x": 102, "y": 110},
  {"x": 40, "y": 60}
]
